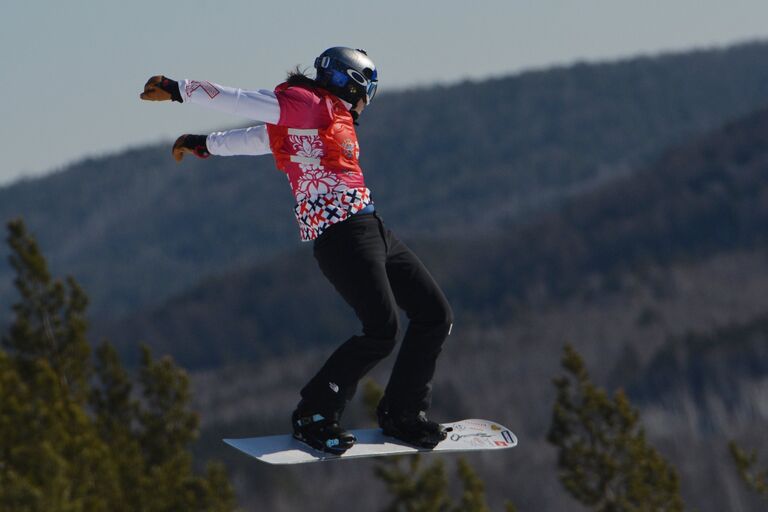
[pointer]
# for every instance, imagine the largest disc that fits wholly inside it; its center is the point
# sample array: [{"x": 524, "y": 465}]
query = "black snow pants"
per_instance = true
[{"x": 375, "y": 273}]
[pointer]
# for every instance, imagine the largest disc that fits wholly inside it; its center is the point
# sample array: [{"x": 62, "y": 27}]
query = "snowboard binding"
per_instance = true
[
  {"x": 413, "y": 427},
  {"x": 322, "y": 432}
]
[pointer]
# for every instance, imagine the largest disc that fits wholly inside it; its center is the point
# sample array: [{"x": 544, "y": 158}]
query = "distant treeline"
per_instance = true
[
  {"x": 696, "y": 201},
  {"x": 136, "y": 228}
]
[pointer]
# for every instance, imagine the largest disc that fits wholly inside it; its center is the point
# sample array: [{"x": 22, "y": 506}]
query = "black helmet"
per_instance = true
[{"x": 348, "y": 73}]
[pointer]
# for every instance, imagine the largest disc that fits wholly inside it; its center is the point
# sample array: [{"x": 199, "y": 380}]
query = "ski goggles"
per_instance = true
[{"x": 340, "y": 76}]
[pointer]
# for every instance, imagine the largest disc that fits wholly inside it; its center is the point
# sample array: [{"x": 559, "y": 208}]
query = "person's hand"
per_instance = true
[
  {"x": 161, "y": 88},
  {"x": 193, "y": 144}
]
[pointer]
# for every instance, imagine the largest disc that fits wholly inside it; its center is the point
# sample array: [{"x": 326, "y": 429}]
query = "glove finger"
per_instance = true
[
  {"x": 155, "y": 94},
  {"x": 178, "y": 154}
]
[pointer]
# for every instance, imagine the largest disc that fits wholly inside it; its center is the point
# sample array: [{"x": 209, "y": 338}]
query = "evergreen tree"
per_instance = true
[
  {"x": 70, "y": 442},
  {"x": 746, "y": 465},
  {"x": 415, "y": 488},
  {"x": 166, "y": 427},
  {"x": 604, "y": 460},
  {"x": 52, "y": 457},
  {"x": 150, "y": 437},
  {"x": 473, "y": 497},
  {"x": 49, "y": 323},
  {"x": 115, "y": 413}
]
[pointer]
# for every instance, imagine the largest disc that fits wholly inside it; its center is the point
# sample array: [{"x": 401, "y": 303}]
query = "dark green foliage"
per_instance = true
[
  {"x": 473, "y": 497},
  {"x": 70, "y": 442},
  {"x": 167, "y": 425},
  {"x": 417, "y": 488},
  {"x": 49, "y": 321},
  {"x": 414, "y": 488},
  {"x": 52, "y": 460},
  {"x": 747, "y": 466},
  {"x": 52, "y": 457},
  {"x": 604, "y": 460}
]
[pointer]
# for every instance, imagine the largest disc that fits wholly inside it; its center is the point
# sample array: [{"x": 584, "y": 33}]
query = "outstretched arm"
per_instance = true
[
  {"x": 259, "y": 105},
  {"x": 242, "y": 141}
]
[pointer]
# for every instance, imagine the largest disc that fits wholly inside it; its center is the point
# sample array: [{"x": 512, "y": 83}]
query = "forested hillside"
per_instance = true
[
  {"x": 697, "y": 201},
  {"x": 622, "y": 208},
  {"x": 659, "y": 279},
  {"x": 135, "y": 228},
  {"x": 708, "y": 367}
]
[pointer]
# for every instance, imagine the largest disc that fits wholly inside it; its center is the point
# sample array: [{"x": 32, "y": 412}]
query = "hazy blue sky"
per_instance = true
[{"x": 72, "y": 71}]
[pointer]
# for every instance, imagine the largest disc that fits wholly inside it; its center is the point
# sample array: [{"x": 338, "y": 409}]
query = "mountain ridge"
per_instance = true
[
  {"x": 136, "y": 228},
  {"x": 698, "y": 200}
]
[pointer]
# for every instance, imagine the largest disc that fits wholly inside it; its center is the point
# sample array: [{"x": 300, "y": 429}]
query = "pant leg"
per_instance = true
[
  {"x": 353, "y": 258},
  {"x": 430, "y": 320}
]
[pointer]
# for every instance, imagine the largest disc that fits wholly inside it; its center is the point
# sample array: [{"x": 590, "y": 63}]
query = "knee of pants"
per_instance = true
[
  {"x": 385, "y": 332},
  {"x": 445, "y": 323},
  {"x": 439, "y": 318},
  {"x": 445, "y": 320},
  {"x": 375, "y": 348}
]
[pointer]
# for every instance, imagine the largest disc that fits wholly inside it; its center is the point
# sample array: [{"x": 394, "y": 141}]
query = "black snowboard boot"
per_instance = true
[
  {"x": 321, "y": 432},
  {"x": 413, "y": 427}
]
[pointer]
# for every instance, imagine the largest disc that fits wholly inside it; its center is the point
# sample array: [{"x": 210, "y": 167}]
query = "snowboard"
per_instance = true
[{"x": 464, "y": 435}]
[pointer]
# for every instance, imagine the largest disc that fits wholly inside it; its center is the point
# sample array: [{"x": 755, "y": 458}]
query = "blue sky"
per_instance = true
[{"x": 72, "y": 71}]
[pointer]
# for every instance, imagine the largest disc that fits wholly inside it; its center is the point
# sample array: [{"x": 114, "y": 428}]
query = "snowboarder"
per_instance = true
[{"x": 309, "y": 127}]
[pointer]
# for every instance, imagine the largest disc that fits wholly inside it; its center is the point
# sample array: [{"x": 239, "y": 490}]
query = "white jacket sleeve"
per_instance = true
[
  {"x": 243, "y": 141},
  {"x": 259, "y": 105}
]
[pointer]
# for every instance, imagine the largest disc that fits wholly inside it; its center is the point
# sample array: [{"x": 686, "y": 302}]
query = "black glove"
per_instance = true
[
  {"x": 160, "y": 88},
  {"x": 187, "y": 143}
]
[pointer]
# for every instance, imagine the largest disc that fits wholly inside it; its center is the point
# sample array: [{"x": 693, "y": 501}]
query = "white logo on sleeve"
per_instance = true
[{"x": 334, "y": 387}]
